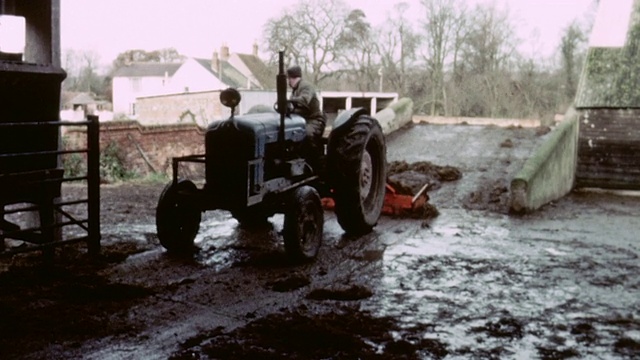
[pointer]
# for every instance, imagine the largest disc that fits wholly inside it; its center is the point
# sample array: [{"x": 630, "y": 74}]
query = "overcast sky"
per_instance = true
[{"x": 198, "y": 27}]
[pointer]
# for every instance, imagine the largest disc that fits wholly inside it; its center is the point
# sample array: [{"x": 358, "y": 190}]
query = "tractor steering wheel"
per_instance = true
[{"x": 290, "y": 107}]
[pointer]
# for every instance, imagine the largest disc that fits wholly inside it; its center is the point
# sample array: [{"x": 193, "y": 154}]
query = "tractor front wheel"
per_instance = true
[
  {"x": 303, "y": 222},
  {"x": 177, "y": 218}
]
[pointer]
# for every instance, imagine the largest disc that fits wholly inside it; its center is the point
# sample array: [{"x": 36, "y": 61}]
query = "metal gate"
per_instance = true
[{"x": 40, "y": 192}]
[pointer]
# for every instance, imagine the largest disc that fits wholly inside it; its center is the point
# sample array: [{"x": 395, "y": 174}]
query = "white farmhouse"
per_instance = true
[
  {"x": 140, "y": 79},
  {"x": 143, "y": 80}
]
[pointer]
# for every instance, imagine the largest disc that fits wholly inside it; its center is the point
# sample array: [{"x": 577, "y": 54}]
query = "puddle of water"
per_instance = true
[
  {"x": 133, "y": 232},
  {"x": 474, "y": 275},
  {"x": 223, "y": 243},
  {"x": 216, "y": 225}
]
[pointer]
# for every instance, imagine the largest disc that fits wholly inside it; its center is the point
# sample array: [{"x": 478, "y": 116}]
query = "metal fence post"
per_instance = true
[{"x": 93, "y": 186}]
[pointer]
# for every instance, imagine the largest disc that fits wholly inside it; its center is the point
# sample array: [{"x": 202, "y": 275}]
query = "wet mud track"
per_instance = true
[{"x": 473, "y": 283}]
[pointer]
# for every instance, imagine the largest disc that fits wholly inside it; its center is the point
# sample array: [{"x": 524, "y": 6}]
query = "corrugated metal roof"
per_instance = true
[{"x": 147, "y": 70}]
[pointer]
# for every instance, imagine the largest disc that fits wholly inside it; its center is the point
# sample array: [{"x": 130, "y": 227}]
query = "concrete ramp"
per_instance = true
[{"x": 549, "y": 173}]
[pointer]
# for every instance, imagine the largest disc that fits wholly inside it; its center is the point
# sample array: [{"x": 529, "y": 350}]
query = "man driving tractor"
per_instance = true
[{"x": 306, "y": 104}]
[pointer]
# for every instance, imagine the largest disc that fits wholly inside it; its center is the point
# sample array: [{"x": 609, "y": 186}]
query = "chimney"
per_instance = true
[
  {"x": 255, "y": 49},
  {"x": 215, "y": 62},
  {"x": 224, "y": 52}
]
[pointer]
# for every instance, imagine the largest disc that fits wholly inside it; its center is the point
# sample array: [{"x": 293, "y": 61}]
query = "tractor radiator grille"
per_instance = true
[{"x": 228, "y": 152}]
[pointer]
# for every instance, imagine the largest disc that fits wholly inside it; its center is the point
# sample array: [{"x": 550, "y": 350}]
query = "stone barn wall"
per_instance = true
[
  {"x": 608, "y": 99},
  {"x": 609, "y": 149}
]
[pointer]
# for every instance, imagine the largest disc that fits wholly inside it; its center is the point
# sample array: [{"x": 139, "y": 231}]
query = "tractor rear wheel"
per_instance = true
[
  {"x": 177, "y": 219},
  {"x": 357, "y": 174},
  {"x": 303, "y": 222}
]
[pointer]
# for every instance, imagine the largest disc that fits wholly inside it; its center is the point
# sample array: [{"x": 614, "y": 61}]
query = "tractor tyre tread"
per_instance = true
[{"x": 345, "y": 153}]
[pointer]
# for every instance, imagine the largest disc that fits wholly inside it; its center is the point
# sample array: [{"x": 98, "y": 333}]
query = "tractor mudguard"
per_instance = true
[{"x": 346, "y": 117}]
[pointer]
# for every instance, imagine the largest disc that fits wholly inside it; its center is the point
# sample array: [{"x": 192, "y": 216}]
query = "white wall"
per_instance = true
[
  {"x": 126, "y": 90},
  {"x": 192, "y": 76},
  {"x": 79, "y": 115},
  {"x": 252, "y": 98},
  {"x": 122, "y": 95}
]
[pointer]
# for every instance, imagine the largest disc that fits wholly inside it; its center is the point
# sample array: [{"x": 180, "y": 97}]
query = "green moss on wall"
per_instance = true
[
  {"x": 402, "y": 105},
  {"x": 611, "y": 76}
]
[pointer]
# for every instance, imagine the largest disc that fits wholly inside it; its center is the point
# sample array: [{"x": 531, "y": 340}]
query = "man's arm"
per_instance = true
[{"x": 304, "y": 96}]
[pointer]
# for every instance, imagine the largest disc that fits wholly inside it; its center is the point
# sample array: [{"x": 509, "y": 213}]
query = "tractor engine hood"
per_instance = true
[
  {"x": 247, "y": 136},
  {"x": 262, "y": 127}
]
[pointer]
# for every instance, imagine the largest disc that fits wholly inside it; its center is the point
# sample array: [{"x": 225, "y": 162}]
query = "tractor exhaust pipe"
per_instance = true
[{"x": 281, "y": 87}]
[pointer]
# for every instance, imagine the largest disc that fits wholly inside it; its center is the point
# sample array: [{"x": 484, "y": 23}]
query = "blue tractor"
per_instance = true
[{"x": 254, "y": 168}]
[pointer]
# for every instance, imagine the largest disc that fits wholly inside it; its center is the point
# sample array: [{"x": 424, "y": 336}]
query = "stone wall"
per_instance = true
[
  {"x": 442, "y": 120},
  {"x": 147, "y": 149},
  {"x": 188, "y": 108}
]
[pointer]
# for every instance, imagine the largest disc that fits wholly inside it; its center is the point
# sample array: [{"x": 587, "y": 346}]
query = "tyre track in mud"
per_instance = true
[{"x": 471, "y": 283}]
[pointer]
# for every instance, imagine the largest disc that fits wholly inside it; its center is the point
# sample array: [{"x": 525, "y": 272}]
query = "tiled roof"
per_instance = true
[
  {"x": 67, "y": 96},
  {"x": 147, "y": 70},
  {"x": 81, "y": 99},
  {"x": 230, "y": 75},
  {"x": 265, "y": 76},
  {"x": 206, "y": 64}
]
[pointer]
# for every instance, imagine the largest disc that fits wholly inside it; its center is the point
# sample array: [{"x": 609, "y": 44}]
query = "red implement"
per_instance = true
[{"x": 395, "y": 204}]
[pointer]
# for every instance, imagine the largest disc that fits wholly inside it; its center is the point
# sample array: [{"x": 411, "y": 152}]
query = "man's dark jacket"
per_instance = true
[{"x": 306, "y": 103}]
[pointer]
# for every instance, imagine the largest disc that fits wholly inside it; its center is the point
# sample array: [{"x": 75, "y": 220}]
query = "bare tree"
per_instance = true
[
  {"x": 310, "y": 34},
  {"x": 442, "y": 26},
  {"x": 70, "y": 63},
  {"x": 167, "y": 55},
  {"x": 82, "y": 69},
  {"x": 487, "y": 55},
  {"x": 489, "y": 42},
  {"x": 572, "y": 53},
  {"x": 359, "y": 51},
  {"x": 283, "y": 33},
  {"x": 397, "y": 48}
]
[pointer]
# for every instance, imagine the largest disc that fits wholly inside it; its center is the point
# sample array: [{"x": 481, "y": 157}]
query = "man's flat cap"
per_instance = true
[{"x": 294, "y": 71}]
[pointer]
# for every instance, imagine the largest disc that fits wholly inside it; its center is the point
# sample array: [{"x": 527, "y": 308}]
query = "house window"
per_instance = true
[
  {"x": 132, "y": 108},
  {"x": 135, "y": 84}
]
